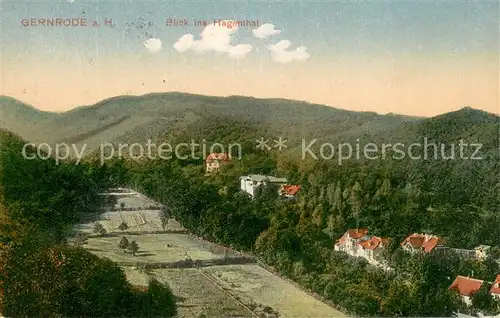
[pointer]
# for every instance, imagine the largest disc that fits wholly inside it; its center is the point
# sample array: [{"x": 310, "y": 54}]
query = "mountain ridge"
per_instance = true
[
  {"x": 103, "y": 102},
  {"x": 115, "y": 118}
]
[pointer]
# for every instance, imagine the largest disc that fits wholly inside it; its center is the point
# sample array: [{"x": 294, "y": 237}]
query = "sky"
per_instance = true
[{"x": 419, "y": 58}]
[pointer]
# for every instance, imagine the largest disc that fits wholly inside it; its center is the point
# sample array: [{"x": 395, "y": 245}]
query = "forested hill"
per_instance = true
[
  {"x": 468, "y": 178},
  {"x": 126, "y": 118},
  {"x": 39, "y": 274}
]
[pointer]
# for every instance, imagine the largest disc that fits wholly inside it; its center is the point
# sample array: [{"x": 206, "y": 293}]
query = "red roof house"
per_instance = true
[
  {"x": 466, "y": 287},
  {"x": 357, "y": 242},
  {"x": 289, "y": 190},
  {"x": 495, "y": 289},
  {"x": 215, "y": 160},
  {"x": 422, "y": 242},
  {"x": 352, "y": 235}
]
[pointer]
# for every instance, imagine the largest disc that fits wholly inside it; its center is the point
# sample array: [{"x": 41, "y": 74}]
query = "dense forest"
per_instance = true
[
  {"x": 39, "y": 274},
  {"x": 390, "y": 198}
]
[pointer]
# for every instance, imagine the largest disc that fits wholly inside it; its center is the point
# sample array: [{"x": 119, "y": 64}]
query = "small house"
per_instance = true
[
  {"x": 289, "y": 190},
  {"x": 357, "y": 243},
  {"x": 250, "y": 183},
  {"x": 421, "y": 242},
  {"x": 215, "y": 160},
  {"x": 466, "y": 288},
  {"x": 495, "y": 288}
]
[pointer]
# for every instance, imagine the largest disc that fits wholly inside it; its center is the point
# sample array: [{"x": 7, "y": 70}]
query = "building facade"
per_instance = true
[
  {"x": 250, "y": 183},
  {"x": 357, "y": 243}
]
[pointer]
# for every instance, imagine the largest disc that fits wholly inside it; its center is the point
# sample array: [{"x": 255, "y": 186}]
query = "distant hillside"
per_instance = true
[
  {"x": 23, "y": 119},
  {"x": 137, "y": 118},
  {"x": 127, "y": 119}
]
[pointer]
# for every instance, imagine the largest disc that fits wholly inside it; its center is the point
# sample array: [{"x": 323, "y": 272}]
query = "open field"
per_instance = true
[
  {"x": 253, "y": 283},
  {"x": 214, "y": 291},
  {"x": 153, "y": 248},
  {"x": 141, "y": 220},
  {"x": 138, "y": 220},
  {"x": 198, "y": 295}
]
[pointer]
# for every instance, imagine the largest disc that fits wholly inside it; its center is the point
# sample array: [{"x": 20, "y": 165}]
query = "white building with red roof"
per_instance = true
[
  {"x": 357, "y": 243},
  {"x": 466, "y": 288},
  {"x": 495, "y": 288},
  {"x": 250, "y": 183},
  {"x": 215, "y": 160},
  {"x": 421, "y": 242},
  {"x": 347, "y": 243}
]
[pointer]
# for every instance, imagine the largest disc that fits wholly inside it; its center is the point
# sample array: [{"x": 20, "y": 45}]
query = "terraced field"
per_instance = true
[{"x": 215, "y": 291}]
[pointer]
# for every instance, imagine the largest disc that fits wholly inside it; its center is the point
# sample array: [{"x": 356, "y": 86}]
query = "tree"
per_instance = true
[
  {"x": 67, "y": 282},
  {"x": 134, "y": 247},
  {"x": 160, "y": 301},
  {"x": 123, "y": 226},
  {"x": 99, "y": 229},
  {"x": 124, "y": 243},
  {"x": 355, "y": 199},
  {"x": 483, "y": 300},
  {"x": 111, "y": 201},
  {"x": 318, "y": 216},
  {"x": 163, "y": 217},
  {"x": 122, "y": 205}
]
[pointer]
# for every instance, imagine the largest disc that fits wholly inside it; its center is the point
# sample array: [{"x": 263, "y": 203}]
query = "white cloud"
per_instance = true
[
  {"x": 280, "y": 53},
  {"x": 185, "y": 43},
  {"x": 71, "y": 1},
  {"x": 265, "y": 31},
  {"x": 214, "y": 38},
  {"x": 153, "y": 45}
]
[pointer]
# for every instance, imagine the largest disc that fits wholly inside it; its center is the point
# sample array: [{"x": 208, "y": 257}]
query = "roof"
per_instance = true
[
  {"x": 290, "y": 189},
  {"x": 430, "y": 244},
  {"x": 260, "y": 178},
  {"x": 495, "y": 289},
  {"x": 357, "y": 233},
  {"x": 217, "y": 156},
  {"x": 427, "y": 243},
  {"x": 415, "y": 241},
  {"x": 466, "y": 286},
  {"x": 371, "y": 244}
]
